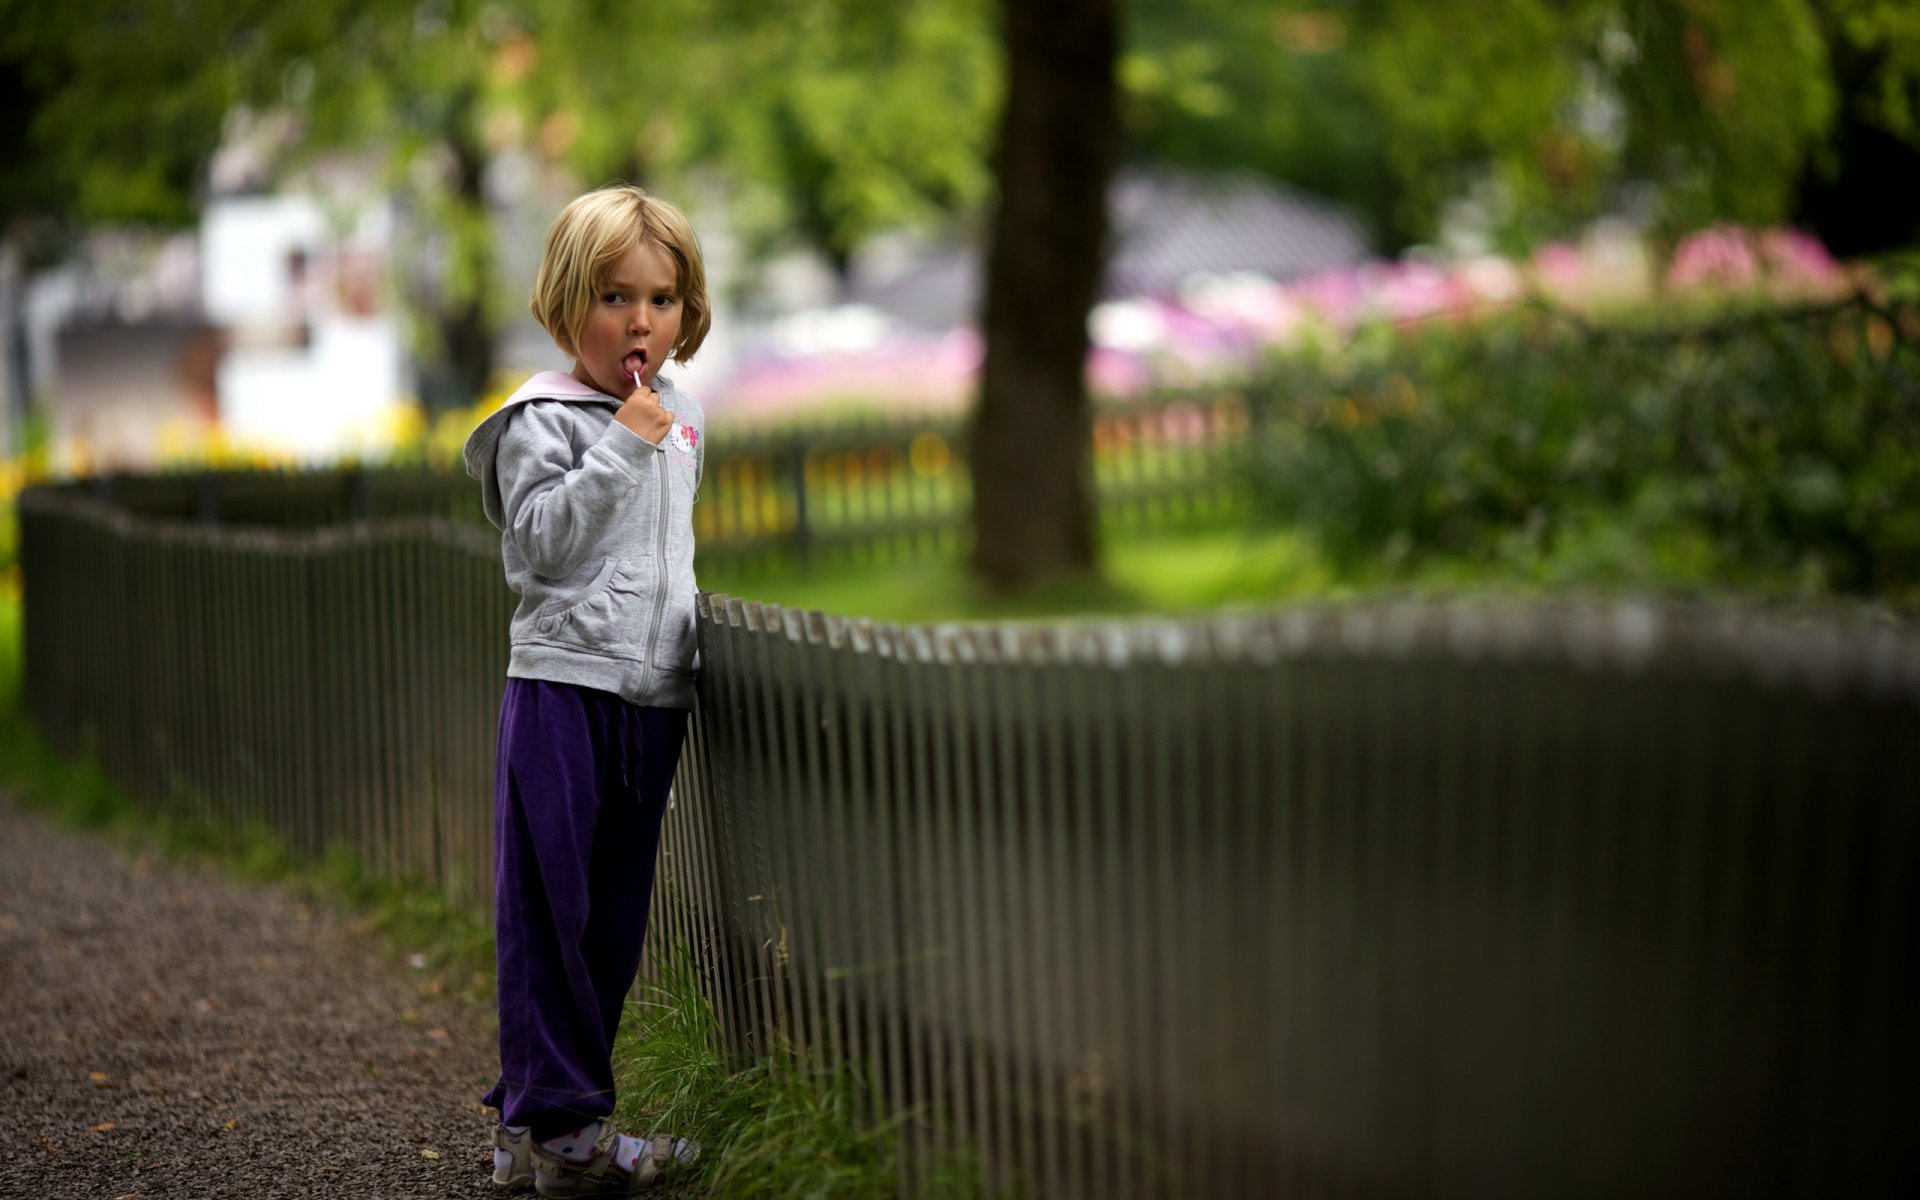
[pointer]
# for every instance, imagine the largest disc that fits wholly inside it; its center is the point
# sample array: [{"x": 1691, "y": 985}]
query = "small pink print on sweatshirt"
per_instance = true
[{"x": 684, "y": 439}]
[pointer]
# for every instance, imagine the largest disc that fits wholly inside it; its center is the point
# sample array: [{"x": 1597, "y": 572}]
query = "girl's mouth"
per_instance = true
[{"x": 634, "y": 361}]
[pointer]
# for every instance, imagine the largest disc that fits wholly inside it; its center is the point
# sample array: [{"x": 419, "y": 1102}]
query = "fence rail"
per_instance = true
[{"x": 1426, "y": 900}]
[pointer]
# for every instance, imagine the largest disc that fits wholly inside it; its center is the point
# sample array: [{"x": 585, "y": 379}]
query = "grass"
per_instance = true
[
  {"x": 1163, "y": 573},
  {"x": 778, "y": 1130},
  {"x": 1213, "y": 569}
]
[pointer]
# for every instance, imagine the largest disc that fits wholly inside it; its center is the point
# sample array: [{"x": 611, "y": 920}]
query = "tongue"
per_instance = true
[{"x": 633, "y": 362}]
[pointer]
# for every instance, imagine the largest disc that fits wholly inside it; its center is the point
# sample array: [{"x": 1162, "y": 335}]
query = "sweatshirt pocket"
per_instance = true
[
  {"x": 567, "y": 599},
  {"x": 593, "y": 616}
]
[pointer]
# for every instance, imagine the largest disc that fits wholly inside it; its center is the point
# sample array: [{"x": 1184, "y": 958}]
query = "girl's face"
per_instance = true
[{"x": 632, "y": 323}]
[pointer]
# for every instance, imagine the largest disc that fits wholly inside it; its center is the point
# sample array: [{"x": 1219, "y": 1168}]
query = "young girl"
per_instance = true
[{"x": 590, "y": 477}]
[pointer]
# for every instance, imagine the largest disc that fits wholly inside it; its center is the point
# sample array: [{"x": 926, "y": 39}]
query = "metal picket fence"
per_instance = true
[
  {"x": 1395, "y": 901},
  {"x": 1488, "y": 899},
  {"x": 337, "y": 688}
]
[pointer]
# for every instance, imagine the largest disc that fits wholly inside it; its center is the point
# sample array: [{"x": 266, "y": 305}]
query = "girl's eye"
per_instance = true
[
  {"x": 612, "y": 298},
  {"x": 663, "y": 301}
]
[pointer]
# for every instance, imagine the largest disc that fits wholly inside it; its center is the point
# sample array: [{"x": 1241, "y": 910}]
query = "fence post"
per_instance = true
[
  {"x": 802, "y": 531},
  {"x": 359, "y": 494},
  {"x": 206, "y": 498}
]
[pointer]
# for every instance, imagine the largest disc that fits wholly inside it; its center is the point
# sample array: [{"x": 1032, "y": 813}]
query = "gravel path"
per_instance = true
[{"x": 166, "y": 1031}]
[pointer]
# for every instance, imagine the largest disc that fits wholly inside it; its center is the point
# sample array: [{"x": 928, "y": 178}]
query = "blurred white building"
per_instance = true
[
  {"x": 314, "y": 363},
  {"x": 119, "y": 356},
  {"x": 268, "y": 331},
  {"x": 276, "y": 329}
]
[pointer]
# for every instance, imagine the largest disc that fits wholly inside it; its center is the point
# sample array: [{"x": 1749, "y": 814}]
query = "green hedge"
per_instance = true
[{"x": 1779, "y": 445}]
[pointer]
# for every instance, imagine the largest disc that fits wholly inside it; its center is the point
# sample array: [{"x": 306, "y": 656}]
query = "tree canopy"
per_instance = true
[
  {"x": 837, "y": 118},
  {"x": 1545, "y": 113},
  {"x": 114, "y": 111}
]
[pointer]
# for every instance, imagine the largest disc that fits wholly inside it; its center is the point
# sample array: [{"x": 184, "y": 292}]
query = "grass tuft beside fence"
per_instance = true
[{"x": 783, "y": 1128}]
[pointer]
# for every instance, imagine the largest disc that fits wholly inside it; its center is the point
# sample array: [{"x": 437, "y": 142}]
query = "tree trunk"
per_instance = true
[
  {"x": 1033, "y": 514},
  {"x": 468, "y": 336},
  {"x": 16, "y": 381},
  {"x": 461, "y": 314},
  {"x": 466, "y": 349}
]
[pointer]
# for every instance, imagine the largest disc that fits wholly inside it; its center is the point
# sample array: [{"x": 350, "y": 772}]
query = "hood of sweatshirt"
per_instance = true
[{"x": 547, "y": 385}]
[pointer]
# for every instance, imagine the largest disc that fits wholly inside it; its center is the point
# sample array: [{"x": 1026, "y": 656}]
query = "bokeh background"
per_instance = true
[{"x": 1591, "y": 293}]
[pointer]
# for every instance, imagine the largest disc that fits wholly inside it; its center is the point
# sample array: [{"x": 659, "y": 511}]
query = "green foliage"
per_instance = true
[
  {"x": 32, "y": 772},
  {"x": 122, "y": 105},
  {"x": 1274, "y": 88},
  {"x": 836, "y": 118},
  {"x": 779, "y": 1129},
  {"x": 1540, "y": 113},
  {"x": 1886, "y": 33},
  {"x": 1558, "y": 105},
  {"x": 843, "y": 117},
  {"x": 1773, "y": 448}
]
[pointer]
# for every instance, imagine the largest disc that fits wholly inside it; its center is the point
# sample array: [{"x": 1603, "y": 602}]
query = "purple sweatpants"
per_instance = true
[{"x": 580, "y": 787}]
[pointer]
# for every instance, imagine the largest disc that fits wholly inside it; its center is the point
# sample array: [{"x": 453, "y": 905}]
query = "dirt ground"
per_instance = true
[{"x": 168, "y": 1031}]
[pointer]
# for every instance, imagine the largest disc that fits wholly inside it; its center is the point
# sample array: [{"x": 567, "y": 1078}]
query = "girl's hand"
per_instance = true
[{"x": 642, "y": 414}]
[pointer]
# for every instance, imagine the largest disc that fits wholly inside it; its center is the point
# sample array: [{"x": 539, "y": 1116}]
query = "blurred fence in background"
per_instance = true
[
  {"x": 822, "y": 494},
  {"x": 1778, "y": 446},
  {"x": 1418, "y": 900}
]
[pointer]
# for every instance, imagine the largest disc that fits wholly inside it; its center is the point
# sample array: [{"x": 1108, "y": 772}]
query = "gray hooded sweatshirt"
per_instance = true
[{"x": 596, "y": 534}]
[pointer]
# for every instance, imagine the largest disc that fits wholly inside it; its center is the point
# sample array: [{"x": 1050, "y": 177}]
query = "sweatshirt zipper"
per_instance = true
[{"x": 659, "y": 575}]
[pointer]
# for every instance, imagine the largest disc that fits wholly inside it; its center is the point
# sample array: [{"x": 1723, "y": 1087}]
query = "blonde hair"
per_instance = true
[{"x": 589, "y": 236}]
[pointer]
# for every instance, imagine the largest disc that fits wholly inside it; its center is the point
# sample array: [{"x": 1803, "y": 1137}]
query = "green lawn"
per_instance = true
[
  {"x": 1167, "y": 573},
  {"x": 1214, "y": 569}
]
